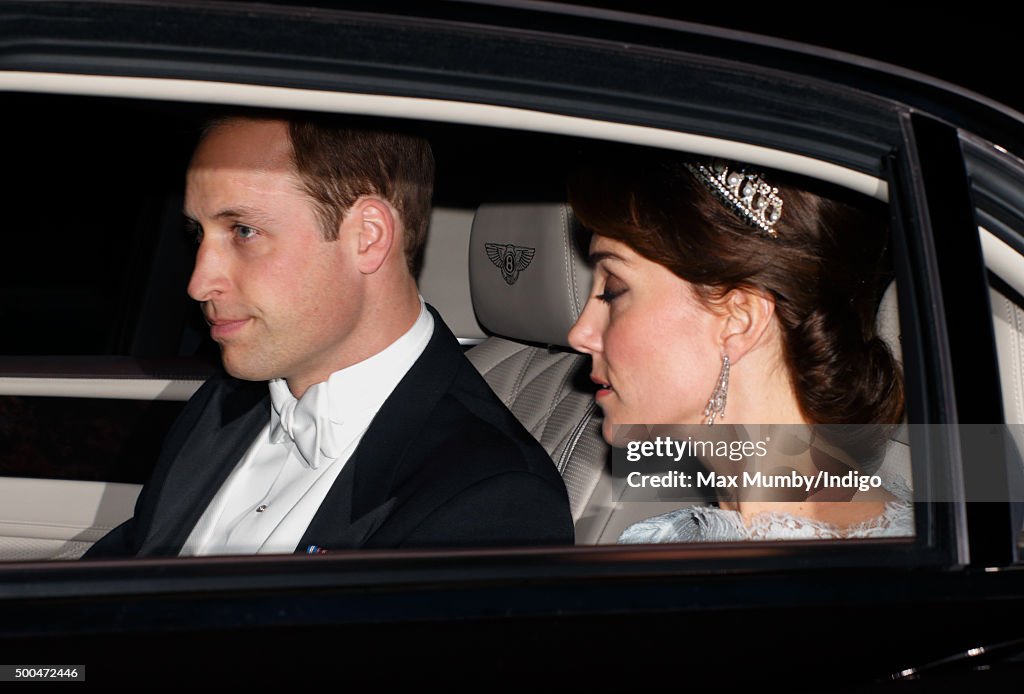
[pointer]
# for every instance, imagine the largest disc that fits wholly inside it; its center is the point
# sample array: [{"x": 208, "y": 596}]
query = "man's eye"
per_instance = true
[
  {"x": 245, "y": 233},
  {"x": 194, "y": 231}
]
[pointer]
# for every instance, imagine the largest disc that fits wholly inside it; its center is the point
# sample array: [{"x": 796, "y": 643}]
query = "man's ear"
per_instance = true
[
  {"x": 748, "y": 315},
  {"x": 375, "y": 224}
]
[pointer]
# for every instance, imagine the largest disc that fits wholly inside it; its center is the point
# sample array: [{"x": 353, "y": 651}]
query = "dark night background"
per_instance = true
[{"x": 972, "y": 45}]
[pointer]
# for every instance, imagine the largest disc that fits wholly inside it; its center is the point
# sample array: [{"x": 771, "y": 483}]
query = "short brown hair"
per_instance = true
[
  {"x": 825, "y": 271},
  {"x": 338, "y": 163}
]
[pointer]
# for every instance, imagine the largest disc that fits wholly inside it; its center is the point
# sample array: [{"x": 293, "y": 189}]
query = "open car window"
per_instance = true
[
  {"x": 102, "y": 347},
  {"x": 89, "y": 405}
]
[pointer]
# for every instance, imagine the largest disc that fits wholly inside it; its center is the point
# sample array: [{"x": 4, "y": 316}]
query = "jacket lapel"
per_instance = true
[
  {"x": 226, "y": 428},
  {"x": 366, "y": 491}
]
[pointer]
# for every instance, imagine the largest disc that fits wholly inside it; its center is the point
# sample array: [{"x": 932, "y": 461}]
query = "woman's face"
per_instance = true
[{"x": 656, "y": 349}]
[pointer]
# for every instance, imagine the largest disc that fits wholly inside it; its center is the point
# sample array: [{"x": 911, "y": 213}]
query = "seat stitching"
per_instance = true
[
  {"x": 518, "y": 384},
  {"x": 574, "y": 438},
  {"x": 490, "y": 354},
  {"x": 540, "y": 373},
  {"x": 562, "y": 392},
  {"x": 574, "y": 307},
  {"x": 558, "y": 403}
]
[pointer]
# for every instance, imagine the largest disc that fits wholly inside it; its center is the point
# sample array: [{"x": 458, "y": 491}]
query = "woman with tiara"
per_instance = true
[{"x": 727, "y": 294}]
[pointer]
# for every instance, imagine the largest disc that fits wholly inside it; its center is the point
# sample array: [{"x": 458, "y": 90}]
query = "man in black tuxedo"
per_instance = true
[{"x": 350, "y": 417}]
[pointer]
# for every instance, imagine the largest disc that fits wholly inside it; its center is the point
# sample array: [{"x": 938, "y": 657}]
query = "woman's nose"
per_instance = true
[{"x": 585, "y": 335}]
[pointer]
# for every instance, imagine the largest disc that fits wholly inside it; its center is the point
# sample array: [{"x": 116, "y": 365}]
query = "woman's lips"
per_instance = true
[
  {"x": 224, "y": 328},
  {"x": 603, "y": 390}
]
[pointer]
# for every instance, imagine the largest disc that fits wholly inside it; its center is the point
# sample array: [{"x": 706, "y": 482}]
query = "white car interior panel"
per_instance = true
[
  {"x": 1002, "y": 260},
  {"x": 108, "y": 388},
  {"x": 1008, "y": 322},
  {"x": 59, "y": 519}
]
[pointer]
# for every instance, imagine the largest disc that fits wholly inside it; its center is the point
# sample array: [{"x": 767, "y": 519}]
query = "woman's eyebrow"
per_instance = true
[{"x": 598, "y": 256}]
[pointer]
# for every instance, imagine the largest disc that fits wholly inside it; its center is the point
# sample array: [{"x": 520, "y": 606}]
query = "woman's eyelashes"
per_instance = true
[{"x": 613, "y": 289}]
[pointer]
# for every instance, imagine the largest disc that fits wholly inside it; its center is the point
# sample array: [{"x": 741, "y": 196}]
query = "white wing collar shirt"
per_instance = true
[{"x": 270, "y": 498}]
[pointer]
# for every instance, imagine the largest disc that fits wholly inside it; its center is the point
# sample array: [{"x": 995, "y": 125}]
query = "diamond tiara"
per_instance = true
[{"x": 756, "y": 202}]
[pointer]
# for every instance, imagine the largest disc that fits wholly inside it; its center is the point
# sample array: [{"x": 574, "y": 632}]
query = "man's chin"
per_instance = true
[{"x": 244, "y": 370}]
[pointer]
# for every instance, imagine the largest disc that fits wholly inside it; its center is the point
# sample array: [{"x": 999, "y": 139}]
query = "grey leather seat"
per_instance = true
[{"x": 529, "y": 281}]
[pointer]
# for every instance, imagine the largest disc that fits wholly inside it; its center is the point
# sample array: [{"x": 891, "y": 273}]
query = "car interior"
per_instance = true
[{"x": 495, "y": 186}]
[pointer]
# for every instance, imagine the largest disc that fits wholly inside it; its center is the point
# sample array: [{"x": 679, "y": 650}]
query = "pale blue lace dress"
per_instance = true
[{"x": 711, "y": 524}]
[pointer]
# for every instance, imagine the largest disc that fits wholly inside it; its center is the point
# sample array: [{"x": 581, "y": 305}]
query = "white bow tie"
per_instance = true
[{"x": 306, "y": 421}]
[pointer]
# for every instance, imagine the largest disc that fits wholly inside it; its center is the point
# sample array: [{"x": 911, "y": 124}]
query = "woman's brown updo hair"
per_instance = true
[{"x": 825, "y": 270}]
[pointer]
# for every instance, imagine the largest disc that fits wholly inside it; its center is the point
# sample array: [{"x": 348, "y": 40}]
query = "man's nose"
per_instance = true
[
  {"x": 209, "y": 276},
  {"x": 585, "y": 334}
]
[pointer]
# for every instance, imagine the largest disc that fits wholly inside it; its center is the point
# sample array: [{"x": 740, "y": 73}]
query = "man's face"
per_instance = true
[{"x": 280, "y": 301}]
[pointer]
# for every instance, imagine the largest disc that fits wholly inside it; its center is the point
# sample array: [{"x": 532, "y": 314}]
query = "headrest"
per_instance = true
[{"x": 528, "y": 273}]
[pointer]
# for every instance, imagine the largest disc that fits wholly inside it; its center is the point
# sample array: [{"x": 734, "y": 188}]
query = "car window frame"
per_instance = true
[
  {"x": 409, "y": 569},
  {"x": 681, "y": 557}
]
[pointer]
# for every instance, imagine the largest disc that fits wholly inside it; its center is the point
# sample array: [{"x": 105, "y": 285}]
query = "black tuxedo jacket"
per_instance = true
[{"x": 443, "y": 464}]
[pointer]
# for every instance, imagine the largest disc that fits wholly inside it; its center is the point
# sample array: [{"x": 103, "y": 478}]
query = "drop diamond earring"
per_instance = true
[{"x": 716, "y": 403}]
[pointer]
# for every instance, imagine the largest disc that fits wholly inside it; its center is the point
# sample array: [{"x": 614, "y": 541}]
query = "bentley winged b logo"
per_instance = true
[{"x": 511, "y": 260}]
